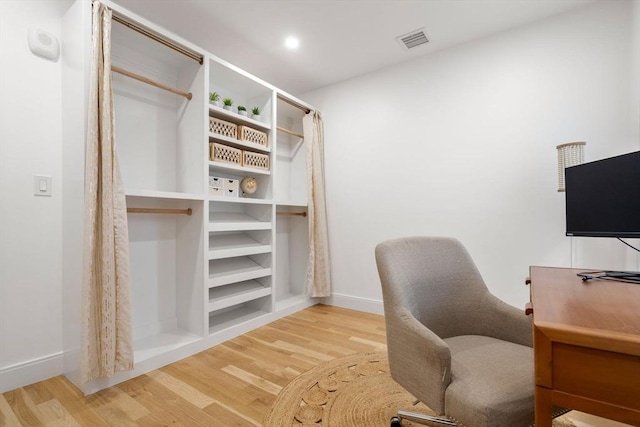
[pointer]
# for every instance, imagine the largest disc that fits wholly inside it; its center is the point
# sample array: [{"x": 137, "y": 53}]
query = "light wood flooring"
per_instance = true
[{"x": 231, "y": 384}]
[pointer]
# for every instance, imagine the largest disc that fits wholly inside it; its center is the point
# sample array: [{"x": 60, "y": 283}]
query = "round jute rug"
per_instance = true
[{"x": 351, "y": 391}]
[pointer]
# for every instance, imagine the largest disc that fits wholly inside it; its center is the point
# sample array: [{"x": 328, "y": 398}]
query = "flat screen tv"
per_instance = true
[{"x": 603, "y": 197}]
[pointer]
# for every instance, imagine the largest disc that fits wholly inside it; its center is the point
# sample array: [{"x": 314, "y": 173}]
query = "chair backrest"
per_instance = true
[{"x": 436, "y": 280}]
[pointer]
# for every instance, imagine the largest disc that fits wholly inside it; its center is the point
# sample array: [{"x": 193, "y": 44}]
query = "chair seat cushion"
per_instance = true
[{"x": 492, "y": 382}]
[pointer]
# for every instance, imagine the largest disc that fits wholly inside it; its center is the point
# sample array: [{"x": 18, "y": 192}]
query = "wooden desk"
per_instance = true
[{"x": 586, "y": 345}]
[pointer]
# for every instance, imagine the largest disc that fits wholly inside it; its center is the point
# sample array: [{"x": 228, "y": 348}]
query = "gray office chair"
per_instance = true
[{"x": 451, "y": 343}]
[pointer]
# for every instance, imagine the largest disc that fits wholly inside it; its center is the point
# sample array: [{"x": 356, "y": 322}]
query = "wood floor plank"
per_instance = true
[
  {"x": 7, "y": 417},
  {"x": 232, "y": 384}
]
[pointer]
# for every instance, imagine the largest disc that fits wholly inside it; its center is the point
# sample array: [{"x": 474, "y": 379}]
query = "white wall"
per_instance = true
[
  {"x": 462, "y": 143},
  {"x": 30, "y": 227}
]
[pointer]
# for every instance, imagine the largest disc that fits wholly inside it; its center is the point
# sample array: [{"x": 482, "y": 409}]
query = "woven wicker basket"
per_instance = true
[
  {"x": 224, "y": 153},
  {"x": 251, "y": 135},
  {"x": 222, "y": 127},
  {"x": 255, "y": 160}
]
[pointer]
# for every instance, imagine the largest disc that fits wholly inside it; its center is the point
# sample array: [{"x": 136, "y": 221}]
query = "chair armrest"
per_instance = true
[
  {"x": 508, "y": 323},
  {"x": 418, "y": 359}
]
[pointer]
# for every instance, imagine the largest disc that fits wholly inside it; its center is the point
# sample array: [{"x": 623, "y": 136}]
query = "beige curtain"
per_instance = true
[
  {"x": 106, "y": 329},
  {"x": 318, "y": 268}
]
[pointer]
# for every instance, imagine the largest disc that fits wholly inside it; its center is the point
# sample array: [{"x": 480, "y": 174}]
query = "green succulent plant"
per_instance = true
[
  {"x": 242, "y": 108},
  {"x": 255, "y": 111},
  {"x": 228, "y": 102},
  {"x": 214, "y": 96}
]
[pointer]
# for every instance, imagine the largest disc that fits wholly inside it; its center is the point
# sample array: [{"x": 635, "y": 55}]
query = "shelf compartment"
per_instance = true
[
  {"x": 238, "y": 314},
  {"x": 239, "y": 216},
  {"x": 237, "y": 143},
  {"x": 228, "y": 221},
  {"x": 235, "y": 244},
  {"x": 236, "y": 168},
  {"x": 231, "y": 270},
  {"x": 236, "y": 118},
  {"x": 237, "y": 293}
]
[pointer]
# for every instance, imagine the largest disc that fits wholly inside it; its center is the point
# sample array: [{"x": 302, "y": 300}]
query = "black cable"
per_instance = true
[{"x": 632, "y": 247}]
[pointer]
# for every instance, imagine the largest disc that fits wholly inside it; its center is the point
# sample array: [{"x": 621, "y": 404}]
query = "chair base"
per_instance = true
[{"x": 420, "y": 419}]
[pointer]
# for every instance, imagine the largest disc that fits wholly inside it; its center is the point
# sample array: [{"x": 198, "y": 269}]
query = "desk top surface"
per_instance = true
[{"x": 602, "y": 308}]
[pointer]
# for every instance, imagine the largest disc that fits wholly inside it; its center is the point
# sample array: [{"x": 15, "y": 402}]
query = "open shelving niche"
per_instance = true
[
  {"x": 161, "y": 170},
  {"x": 292, "y": 240},
  {"x": 240, "y": 230}
]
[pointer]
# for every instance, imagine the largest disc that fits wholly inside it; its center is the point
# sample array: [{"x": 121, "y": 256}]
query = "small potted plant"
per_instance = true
[
  {"x": 242, "y": 110},
  {"x": 214, "y": 98},
  {"x": 255, "y": 113},
  {"x": 227, "y": 103}
]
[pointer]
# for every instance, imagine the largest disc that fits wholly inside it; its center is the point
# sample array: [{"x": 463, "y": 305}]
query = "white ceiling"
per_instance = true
[{"x": 339, "y": 39}]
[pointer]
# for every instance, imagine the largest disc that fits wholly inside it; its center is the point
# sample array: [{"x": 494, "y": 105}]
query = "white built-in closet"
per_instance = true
[{"x": 205, "y": 266}]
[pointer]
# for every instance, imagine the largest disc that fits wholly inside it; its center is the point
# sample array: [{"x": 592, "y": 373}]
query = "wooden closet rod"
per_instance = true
[
  {"x": 291, "y": 213},
  {"x": 159, "y": 39},
  {"x": 160, "y": 211},
  {"x": 295, "y": 104},
  {"x": 290, "y": 132},
  {"x": 124, "y": 72}
]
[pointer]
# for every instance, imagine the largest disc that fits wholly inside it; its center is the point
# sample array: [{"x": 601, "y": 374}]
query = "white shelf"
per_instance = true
[
  {"x": 162, "y": 343},
  {"x": 240, "y": 200},
  {"x": 239, "y": 143},
  {"x": 236, "y": 168},
  {"x": 221, "y": 321},
  {"x": 153, "y": 194},
  {"x": 235, "y": 245},
  {"x": 237, "y": 293},
  {"x": 226, "y": 221},
  {"x": 231, "y": 270},
  {"x": 236, "y": 118}
]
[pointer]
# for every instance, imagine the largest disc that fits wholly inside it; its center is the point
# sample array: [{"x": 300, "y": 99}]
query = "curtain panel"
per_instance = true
[
  {"x": 106, "y": 306},
  {"x": 318, "y": 281}
]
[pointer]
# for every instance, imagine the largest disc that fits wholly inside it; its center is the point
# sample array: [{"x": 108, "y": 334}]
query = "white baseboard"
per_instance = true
[
  {"x": 354, "y": 303},
  {"x": 25, "y": 373}
]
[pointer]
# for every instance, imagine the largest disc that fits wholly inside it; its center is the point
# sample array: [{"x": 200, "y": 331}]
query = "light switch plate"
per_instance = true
[{"x": 42, "y": 185}]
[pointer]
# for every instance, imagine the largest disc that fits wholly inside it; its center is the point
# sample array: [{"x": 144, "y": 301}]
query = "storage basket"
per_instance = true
[
  {"x": 255, "y": 160},
  {"x": 223, "y": 128},
  {"x": 224, "y": 153},
  {"x": 251, "y": 135}
]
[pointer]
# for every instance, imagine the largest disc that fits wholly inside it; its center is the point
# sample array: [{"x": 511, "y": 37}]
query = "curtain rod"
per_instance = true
[
  {"x": 160, "y": 211},
  {"x": 124, "y": 72},
  {"x": 294, "y": 104},
  {"x": 290, "y": 132},
  {"x": 159, "y": 39}
]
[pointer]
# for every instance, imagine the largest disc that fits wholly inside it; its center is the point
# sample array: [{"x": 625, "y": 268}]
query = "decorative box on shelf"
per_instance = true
[
  {"x": 224, "y": 187},
  {"x": 224, "y": 153},
  {"x": 255, "y": 160},
  {"x": 223, "y": 128},
  {"x": 251, "y": 135}
]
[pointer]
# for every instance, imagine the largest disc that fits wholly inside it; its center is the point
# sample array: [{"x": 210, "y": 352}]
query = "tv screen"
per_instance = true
[{"x": 603, "y": 197}]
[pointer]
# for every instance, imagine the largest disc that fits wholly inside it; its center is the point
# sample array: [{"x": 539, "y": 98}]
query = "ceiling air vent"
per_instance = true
[{"x": 413, "y": 39}]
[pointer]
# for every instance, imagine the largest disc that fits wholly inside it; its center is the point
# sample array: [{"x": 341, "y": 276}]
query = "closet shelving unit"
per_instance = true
[{"x": 203, "y": 268}]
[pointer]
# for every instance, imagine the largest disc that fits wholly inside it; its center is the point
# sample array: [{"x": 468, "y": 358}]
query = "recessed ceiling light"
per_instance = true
[{"x": 292, "y": 42}]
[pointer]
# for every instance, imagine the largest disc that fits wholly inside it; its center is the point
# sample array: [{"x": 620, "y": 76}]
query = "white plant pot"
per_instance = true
[
  {"x": 215, "y": 103},
  {"x": 227, "y": 107},
  {"x": 242, "y": 113},
  {"x": 255, "y": 116}
]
